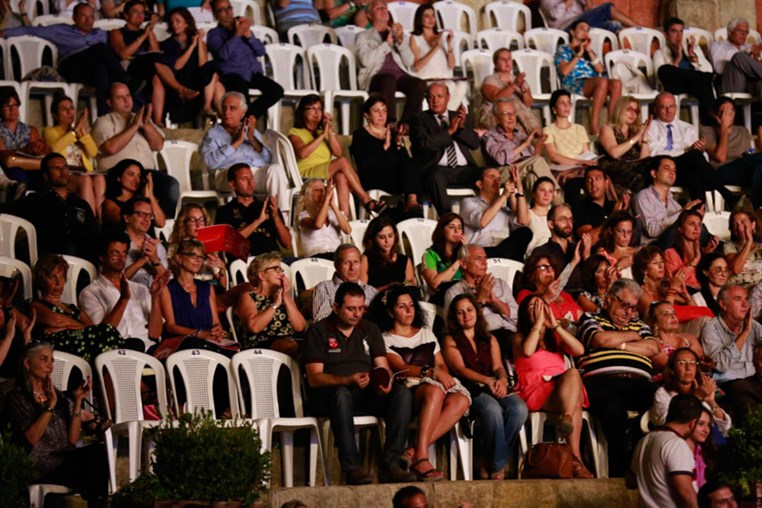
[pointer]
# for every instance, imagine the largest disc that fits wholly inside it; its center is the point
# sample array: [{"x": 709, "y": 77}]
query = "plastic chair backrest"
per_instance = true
[
  {"x": 196, "y": 367},
  {"x": 450, "y": 15},
  {"x": 176, "y": 155},
  {"x": 51, "y": 19},
  {"x": 480, "y": 61},
  {"x": 347, "y": 35},
  {"x": 164, "y": 233},
  {"x": 754, "y": 36},
  {"x": 9, "y": 229},
  {"x": 259, "y": 368},
  {"x": 109, "y": 24},
  {"x": 30, "y": 51},
  {"x": 403, "y": 13},
  {"x": 505, "y": 269},
  {"x": 493, "y": 39},
  {"x": 8, "y": 268},
  {"x": 283, "y": 153},
  {"x": 76, "y": 267},
  {"x": 265, "y": 34},
  {"x": 247, "y": 9},
  {"x": 125, "y": 369},
  {"x": 358, "y": 231},
  {"x": 598, "y": 36},
  {"x": 416, "y": 233},
  {"x": 311, "y": 271},
  {"x": 532, "y": 62},
  {"x": 431, "y": 312},
  {"x": 329, "y": 58},
  {"x": 461, "y": 41},
  {"x": 703, "y": 37},
  {"x": 634, "y": 58},
  {"x": 505, "y": 14},
  {"x": 286, "y": 63},
  {"x": 238, "y": 270},
  {"x": 310, "y": 35},
  {"x": 63, "y": 365},
  {"x": 641, "y": 38},
  {"x": 545, "y": 39}
]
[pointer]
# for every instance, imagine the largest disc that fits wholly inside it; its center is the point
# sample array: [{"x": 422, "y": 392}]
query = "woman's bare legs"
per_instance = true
[
  {"x": 213, "y": 93},
  {"x": 83, "y": 186},
  {"x": 99, "y": 190},
  {"x": 343, "y": 165},
  {"x": 597, "y": 89},
  {"x": 438, "y": 413},
  {"x": 567, "y": 399},
  {"x": 158, "y": 99},
  {"x": 342, "y": 190}
]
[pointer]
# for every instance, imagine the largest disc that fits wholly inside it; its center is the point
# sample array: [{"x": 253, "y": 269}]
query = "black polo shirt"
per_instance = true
[
  {"x": 342, "y": 355},
  {"x": 264, "y": 238},
  {"x": 588, "y": 213}
]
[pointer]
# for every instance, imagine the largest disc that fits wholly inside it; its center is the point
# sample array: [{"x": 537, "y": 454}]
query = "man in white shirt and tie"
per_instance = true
[{"x": 668, "y": 135}]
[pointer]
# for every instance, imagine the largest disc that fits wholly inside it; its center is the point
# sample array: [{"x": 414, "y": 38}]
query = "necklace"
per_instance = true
[{"x": 40, "y": 395}]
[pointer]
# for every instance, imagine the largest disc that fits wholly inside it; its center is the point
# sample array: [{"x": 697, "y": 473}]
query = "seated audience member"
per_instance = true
[
  {"x": 132, "y": 308},
  {"x": 617, "y": 367},
  {"x": 668, "y": 135},
  {"x": 737, "y": 61},
  {"x": 473, "y": 355},
  {"x": 562, "y": 246},
  {"x": 74, "y": 142},
  {"x": 259, "y": 221},
  {"x": 666, "y": 329},
  {"x": 494, "y": 295},
  {"x": 728, "y": 148},
  {"x": 682, "y": 374},
  {"x": 649, "y": 269},
  {"x": 662, "y": 464},
  {"x": 597, "y": 277},
  {"x": 268, "y": 312},
  {"x": 687, "y": 252},
  {"x": 12, "y": 18},
  {"x": 20, "y": 144},
  {"x": 546, "y": 383},
  {"x": 504, "y": 84},
  {"x": 237, "y": 53},
  {"x": 413, "y": 350},
  {"x": 381, "y": 156},
  {"x": 591, "y": 212},
  {"x": 338, "y": 13},
  {"x": 716, "y": 495},
  {"x": 729, "y": 339},
  {"x": 340, "y": 353},
  {"x": 441, "y": 266},
  {"x": 685, "y": 69},
  {"x": 290, "y": 13},
  {"x": 236, "y": 140},
  {"x": 704, "y": 451},
  {"x": 748, "y": 392},
  {"x": 616, "y": 242},
  {"x": 123, "y": 134},
  {"x": 625, "y": 145},
  {"x": 126, "y": 180},
  {"x": 542, "y": 278},
  {"x": 489, "y": 221},
  {"x": 111, "y": 9},
  {"x": 744, "y": 250},
  {"x": 320, "y": 222},
  {"x": 383, "y": 57},
  {"x": 83, "y": 52},
  {"x": 15, "y": 333},
  {"x": 656, "y": 207},
  {"x": 347, "y": 264},
  {"x": 543, "y": 193},
  {"x": 559, "y": 14},
  {"x": 147, "y": 257},
  {"x": 64, "y": 222},
  {"x": 64, "y": 325},
  {"x": 190, "y": 219},
  {"x": 46, "y": 424},
  {"x": 505, "y": 145},
  {"x": 383, "y": 264},
  {"x": 712, "y": 273},
  {"x": 188, "y": 305},
  {"x": 433, "y": 54},
  {"x": 319, "y": 153},
  {"x": 441, "y": 142},
  {"x": 582, "y": 72}
]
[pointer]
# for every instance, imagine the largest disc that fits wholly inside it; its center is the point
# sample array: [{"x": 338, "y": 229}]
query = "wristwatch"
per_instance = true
[{"x": 424, "y": 370}]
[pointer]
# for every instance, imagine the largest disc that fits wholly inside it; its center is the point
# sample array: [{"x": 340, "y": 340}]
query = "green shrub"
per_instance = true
[
  {"x": 16, "y": 472},
  {"x": 745, "y": 444}
]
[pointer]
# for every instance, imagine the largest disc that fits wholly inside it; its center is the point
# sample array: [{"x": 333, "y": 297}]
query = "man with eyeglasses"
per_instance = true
[
  {"x": 617, "y": 367},
  {"x": 562, "y": 247},
  {"x": 129, "y": 307},
  {"x": 738, "y": 62},
  {"x": 64, "y": 222},
  {"x": 236, "y": 52},
  {"x": 715, "y": 494},
  {"x": 730, "y": 339},
  {"x": 146, "y": 257}
]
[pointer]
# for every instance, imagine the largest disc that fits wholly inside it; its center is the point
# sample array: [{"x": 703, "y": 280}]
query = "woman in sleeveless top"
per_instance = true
[
  {"x": 382, "y": 263},
  {"x": 625, "y": 144}
]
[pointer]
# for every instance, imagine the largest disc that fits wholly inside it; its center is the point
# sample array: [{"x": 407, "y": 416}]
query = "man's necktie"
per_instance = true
[
  {"x": 452, "y": 157},
  {"x": 669, "y": 137}
]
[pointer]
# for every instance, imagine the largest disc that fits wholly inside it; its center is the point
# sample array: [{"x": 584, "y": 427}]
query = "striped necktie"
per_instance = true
[{"x": 452, "y": 157}]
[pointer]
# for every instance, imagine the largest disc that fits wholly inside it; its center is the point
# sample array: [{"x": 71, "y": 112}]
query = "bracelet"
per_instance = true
[
  {"x": 519, "y": 195},
  {"x": 558, "y": 325},
  {"x": 536, "y": 329},
  {"x": 155, "y": 264},
  {"x": 78, "y": 414},
  {"x": 632, "y": 142},
  {"x": 48, "y": 409}
]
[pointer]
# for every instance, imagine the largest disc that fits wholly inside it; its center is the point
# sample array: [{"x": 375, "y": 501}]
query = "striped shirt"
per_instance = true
[{"x": 597, "y": 360}]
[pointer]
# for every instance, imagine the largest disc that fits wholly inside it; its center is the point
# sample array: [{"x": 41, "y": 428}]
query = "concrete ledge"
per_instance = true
[{"x": 604, "y": 493}]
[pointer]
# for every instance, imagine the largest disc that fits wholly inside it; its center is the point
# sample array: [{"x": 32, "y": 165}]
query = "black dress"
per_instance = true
[
  {"x": 389, "y": 170},
  {"x": 192, "y": 76},
  {"x": 382, "y": 274},
  {"x": 627, "y": 172}
]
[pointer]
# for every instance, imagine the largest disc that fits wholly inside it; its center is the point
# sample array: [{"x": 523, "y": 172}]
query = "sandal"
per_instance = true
[
  {"x": 430, "y": 475},
  {"x": 377, "y": 207},
  {"x": 407, "y": 458},
  {"x": 579, "y": 470},
  {"x": 187, "y": 94},
  {"x": 499, "y": 475}
]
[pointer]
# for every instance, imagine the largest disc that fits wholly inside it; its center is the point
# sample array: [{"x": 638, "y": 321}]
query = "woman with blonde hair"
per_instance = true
[
  {"x": 625, "y": 144},
  {"x": 191, "y": 218},
  {"x": 320, "y": 222},
  {"x": 268, "y": 312},
  {"x": 505, "y": 84}
]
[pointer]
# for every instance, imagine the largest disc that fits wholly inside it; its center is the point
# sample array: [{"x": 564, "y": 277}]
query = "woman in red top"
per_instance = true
[{"x": 541, "y": 278}]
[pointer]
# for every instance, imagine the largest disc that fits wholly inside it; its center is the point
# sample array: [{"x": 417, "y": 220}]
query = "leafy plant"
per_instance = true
[
  {"x": 745, "y": 444},
  {"x": 16, "y": 472}
]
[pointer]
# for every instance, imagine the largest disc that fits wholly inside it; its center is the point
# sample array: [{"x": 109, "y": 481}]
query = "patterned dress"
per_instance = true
[
  {"x": 574, "y": 82},
  {"x": 628, "y": 171},
  {"x": 278, "y": 328}
]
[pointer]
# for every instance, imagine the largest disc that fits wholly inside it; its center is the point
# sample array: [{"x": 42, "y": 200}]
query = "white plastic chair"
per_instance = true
[
  {"x": 8, "y": 267},
  {"x": 717, "y": 224},
  {"x": 283, "y": 153},
  {"x": 493, "y": 39},
  {"x": 63, "y": 366},
  {"x": 480, "y": 62},
  {"x": 265, "y": 34},
  {"x": 38, "y": 491},
  {"x": 311, "y": 34},
  {"x": 403, "y": 13},
  {"x": 640, "y": 39},
  {"x": 125, "y": 369},
  {"x": 347, "y": 35},
  {"x": 431, "y": 311},
  {"x": 109, "y": 24},
  {"x": 754, "y": 36},
  {"x": 545, "y": 39},
  {"x": 358, "y": 231},
  {"x": 76, "y": 267},
  {"x": 505, "y": 14},
  {"x": 9, "y": 231},
  {"x": 450, "y": 14},
  {"x": 287, "y": 69},
  {"x": 703, "y": 37},
  {"x": 164, "y": 233},
  {"x": 176, "y": 155},
  {"x": 258, "y": 369},
  {"x": 51, "y": 19},
  {"x": 196, "y": 367},
  {"x": 598, "y": 36},
  {"x": 247, "y": 9},
  {"x": 636, "y": 60},
  {"x": 417, "y": 232},
  {"x": 506, "y": 269},
  {"x": 532, "y": 62},
  {"x": 311, "y": 271}
]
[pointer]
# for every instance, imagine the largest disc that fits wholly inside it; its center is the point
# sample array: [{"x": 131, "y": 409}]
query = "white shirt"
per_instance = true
[
  {"x": 659, "y": 455},
  {"x": 658, "y": 412},
  {"x": 424, "y": 336},
  {"x": 319, "y": 240},
  {"x": 143, "y": 276},
  {"x": 101, "y": 296},
  {"x": 461, "y": 158},
  {"x": 722, "y": 51},
  {"x": 663, "y": 56},
  {"x": 540, "y": 231},
  {"x": 683, "y": 137},
  {"x": 472, "y": 209}
]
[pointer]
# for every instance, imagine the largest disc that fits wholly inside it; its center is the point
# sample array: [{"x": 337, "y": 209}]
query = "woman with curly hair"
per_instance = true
[{"x": 542, "y": 277}]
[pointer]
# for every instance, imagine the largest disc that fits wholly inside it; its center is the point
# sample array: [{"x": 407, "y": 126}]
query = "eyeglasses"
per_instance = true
[
  {"x": 507, "y": 113},
  {"x": 686, "y": 363},
  {"x": 627, "y": 307},
  {"x": 191, "y": 255},
  {"x": 545, "y": 268},
  {"x": 632, "y": 109},
  {"x": 143, "y": 215},
  {"x": 12, "y": 105},
  {"x": 563, "y": 219},
  {"x": 278, "y": 269},
  {"x": 720, "y": 269},
  {"x": 195, "y": 220}
]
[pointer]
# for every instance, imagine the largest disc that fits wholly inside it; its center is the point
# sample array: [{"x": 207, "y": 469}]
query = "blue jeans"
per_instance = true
[
  {"x": 502, "y": 421},
  {"x": 600, "y": 17},
  {"x": 747, "y": 172}
]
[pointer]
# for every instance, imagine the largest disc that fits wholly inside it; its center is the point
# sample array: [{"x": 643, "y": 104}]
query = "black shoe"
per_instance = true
[
  {"x": 395, "y": 474},
  {"x": 359, "y": 476}
]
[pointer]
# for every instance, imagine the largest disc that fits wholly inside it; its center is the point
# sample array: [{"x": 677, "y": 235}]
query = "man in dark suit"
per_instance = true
[{"x": 441, "y": 141}]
